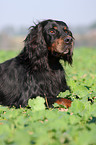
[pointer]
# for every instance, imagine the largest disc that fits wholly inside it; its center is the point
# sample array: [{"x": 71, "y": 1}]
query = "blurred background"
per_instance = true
[{"x": 17, "y": 16}]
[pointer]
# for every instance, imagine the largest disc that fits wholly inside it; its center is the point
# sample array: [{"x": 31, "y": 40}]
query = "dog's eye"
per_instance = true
[
  {"x": 66, "y": 31},
  {"x": 52, "y": 31}
]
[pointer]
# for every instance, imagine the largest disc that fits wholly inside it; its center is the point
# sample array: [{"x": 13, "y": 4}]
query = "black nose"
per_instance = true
[{"x": 68, "y": 40}]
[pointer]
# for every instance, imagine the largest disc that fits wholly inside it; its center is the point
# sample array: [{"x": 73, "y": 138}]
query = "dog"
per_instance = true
[{"x": 36, "y": 71}]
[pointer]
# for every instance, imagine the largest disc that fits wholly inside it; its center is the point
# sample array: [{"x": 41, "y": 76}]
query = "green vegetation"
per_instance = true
[{"x": 40, "y": 126}]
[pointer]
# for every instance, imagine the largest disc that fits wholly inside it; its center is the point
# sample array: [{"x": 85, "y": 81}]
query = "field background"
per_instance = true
[
  {"x": 36, "y": 125},
  {"x": 40, "y": 126}
]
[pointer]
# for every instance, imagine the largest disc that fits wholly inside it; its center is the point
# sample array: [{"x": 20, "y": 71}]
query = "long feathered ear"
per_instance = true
[
  {"x": 35, "y": 45},
  {"x": 41, "y": 44},
  {"x": 35, "y": 50},
  {"x": 40, "y": 37}
]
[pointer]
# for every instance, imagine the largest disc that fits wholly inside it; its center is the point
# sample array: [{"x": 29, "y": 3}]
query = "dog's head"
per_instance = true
[
  {"x": 53, "y": 37},
  {"x": 59, "y": 39}
]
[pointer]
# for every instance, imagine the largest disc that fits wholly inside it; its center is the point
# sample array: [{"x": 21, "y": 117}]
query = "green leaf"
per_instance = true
[
  {"x": 40, "y": 126},
  {"x": 77, "y": 107},
  {"x": 64, "y": 94},
  {"x": 37, "y": 104}
]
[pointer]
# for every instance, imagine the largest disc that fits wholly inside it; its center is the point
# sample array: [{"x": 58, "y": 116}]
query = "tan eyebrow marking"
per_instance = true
[
  {"x": 55, "y": 27},
  {"x": 65, "y": 28}
]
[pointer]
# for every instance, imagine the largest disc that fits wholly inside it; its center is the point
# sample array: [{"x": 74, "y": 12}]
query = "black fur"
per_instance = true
[{"x": 36, "y": 71}]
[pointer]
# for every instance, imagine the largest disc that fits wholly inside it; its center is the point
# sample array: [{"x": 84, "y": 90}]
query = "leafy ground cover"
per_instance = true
[{"x": 41, "y": 126}]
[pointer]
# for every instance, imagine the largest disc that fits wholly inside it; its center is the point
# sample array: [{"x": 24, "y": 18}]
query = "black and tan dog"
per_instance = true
[{"x": 36, "y": 71}]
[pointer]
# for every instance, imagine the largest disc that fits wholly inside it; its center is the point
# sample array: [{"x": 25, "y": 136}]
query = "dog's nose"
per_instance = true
[{"x": 68, "y": 40}]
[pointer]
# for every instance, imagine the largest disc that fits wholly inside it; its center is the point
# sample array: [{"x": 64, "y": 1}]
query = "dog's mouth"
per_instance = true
[
  {"x": 57, "y": 54},
  {"x": 68, "y": 49},
  {"x": 60, "y": 48},
  {"x": 65, "y": 52}
]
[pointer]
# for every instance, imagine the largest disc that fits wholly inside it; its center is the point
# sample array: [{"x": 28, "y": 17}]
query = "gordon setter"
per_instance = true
[{"x": 36, "y": 71}]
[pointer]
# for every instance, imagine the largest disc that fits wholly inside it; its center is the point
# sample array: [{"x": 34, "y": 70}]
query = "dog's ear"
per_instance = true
[
  {"x": 40, "y": 36},
  {"x": 35, "y": 45},
  {"x": 41, "y": 48}
]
